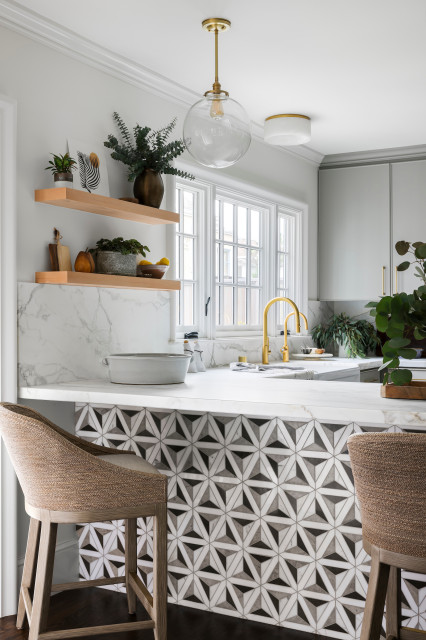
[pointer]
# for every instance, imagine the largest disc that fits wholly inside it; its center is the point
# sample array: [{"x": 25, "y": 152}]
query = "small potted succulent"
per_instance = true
[
  {"x": 118, "y": 256},
  {"x": 147, "y": 155},
  {"x": 62, "y": 168}
]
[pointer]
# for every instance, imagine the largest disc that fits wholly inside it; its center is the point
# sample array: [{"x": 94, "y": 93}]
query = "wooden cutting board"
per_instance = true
[
  {"x": 60, "y": 258},
  {"x": 416, "y": 390}
]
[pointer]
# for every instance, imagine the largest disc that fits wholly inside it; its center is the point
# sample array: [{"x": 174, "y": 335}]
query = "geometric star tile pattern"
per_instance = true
[{"x": 262, "y": 516}]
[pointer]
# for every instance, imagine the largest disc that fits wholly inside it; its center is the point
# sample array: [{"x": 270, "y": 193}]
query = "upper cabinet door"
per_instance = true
[
  {"x": 408, "y": 216},
  {"x": 354, "y": 233}
]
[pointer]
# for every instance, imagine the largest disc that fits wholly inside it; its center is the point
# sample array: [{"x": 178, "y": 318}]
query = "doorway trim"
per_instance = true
[{"x": 8, "y": 349}]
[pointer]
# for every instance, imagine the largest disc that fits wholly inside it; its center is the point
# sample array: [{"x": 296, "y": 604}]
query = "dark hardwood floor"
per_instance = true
[{"x": 86, "y": 607}]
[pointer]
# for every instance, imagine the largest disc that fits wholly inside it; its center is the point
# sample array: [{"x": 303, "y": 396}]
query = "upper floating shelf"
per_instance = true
[{"x": 104, "y": 206}]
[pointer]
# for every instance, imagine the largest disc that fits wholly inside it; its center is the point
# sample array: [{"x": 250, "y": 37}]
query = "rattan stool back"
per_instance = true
[{"x": 390, "y": 482}]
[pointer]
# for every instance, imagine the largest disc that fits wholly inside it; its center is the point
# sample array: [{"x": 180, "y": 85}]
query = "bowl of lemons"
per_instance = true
[{"x": 147, "y": 269}]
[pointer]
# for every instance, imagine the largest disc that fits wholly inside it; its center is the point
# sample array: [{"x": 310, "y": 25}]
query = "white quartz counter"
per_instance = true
[{"x": 224, "y": 391}]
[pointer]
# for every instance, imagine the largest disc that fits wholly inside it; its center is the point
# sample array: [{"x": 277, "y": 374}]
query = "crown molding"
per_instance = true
[
  {"x": 28, "y": 23},
  {"x": 396, "y": 154}
]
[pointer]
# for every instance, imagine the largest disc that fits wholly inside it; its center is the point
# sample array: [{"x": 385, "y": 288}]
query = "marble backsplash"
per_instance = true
[{"x": 64, "y": 332}]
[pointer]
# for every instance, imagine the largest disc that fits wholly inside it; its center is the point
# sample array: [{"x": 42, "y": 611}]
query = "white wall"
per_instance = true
[{"x": 59, "y": 97}]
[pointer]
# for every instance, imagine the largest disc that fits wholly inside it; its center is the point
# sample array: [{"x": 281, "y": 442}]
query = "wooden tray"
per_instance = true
[{"x": 416, "y": 390}]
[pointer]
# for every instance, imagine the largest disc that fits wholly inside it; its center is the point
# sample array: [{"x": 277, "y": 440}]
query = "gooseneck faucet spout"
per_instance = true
[{"x": 265, "y": 348}]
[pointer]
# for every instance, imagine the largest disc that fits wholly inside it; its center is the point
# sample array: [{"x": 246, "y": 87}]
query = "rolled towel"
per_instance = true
[{"x": 242, "y": 366}]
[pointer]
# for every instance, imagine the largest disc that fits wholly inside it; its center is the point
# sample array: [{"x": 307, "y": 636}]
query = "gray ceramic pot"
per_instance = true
[{"x": 115, "y": 263}]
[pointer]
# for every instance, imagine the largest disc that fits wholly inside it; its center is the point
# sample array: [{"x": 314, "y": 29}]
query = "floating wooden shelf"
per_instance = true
[
  {"x": 94, "y": 203},
  {"x": 79, "y": 279}
]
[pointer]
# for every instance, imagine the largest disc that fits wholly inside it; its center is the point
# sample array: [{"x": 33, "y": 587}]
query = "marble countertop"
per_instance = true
[
  {"x": 362, "y": 363},
  {"x": 228, "y": 392}
]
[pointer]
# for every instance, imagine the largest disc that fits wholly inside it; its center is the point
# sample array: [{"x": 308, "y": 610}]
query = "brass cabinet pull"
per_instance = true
[
  {"x": 383, "y": 281},
  {"x": 396, "y": 279}
]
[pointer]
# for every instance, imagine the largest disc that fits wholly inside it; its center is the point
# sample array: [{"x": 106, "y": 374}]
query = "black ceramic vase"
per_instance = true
[{"x": 149, "y": 188}]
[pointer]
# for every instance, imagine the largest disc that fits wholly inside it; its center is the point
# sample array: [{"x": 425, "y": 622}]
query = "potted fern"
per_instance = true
[
  {"x": 356, "y": 338},
  {"x": 147, "y": 154}
]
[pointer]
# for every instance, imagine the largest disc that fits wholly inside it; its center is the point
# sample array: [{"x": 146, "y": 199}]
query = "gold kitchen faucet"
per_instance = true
[{"x": 265, "y": 348}]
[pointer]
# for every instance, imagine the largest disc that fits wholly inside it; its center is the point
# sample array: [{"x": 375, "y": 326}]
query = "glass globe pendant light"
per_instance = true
[{"x": 216, "y": 130}]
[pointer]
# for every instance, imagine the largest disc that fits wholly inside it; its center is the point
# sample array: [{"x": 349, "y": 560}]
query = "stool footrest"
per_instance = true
[
  {"x": 84, "y": 632},
  {"x": 84, "y": 584},
  {"x": 407, "y": 633}
]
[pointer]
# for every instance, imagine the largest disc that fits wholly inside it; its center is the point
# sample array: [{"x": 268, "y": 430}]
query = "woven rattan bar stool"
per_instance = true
[
  {"x": 67, "y": 480},
  {"x": 390, "y": 481}
]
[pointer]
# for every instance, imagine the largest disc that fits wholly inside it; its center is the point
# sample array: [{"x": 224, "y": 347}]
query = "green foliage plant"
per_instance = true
[
  {"x": 118, "y": 245},
  {"x": 358, "y": 337},
  {"x": 402, "y": 316},
  {"x": 61, "y": 164},
  {"x": 146, "y": 149}
]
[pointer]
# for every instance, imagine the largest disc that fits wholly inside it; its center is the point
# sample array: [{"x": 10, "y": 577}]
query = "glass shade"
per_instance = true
[{"x": 216, "y": 131}]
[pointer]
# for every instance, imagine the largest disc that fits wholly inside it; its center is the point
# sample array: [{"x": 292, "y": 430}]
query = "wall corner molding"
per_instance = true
[
  {"x": 396, "y": 154},
  {"x": 28, "y": 23}
]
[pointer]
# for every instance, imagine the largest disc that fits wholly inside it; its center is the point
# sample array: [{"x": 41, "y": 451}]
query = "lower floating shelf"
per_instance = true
[{"x": 77, "y": 278}]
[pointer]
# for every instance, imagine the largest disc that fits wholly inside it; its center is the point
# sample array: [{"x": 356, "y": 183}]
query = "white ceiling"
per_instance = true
[{"x": 356, "y": 68}]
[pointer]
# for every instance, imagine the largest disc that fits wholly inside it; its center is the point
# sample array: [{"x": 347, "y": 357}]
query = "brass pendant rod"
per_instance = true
[{"x": 216, "y": 56}]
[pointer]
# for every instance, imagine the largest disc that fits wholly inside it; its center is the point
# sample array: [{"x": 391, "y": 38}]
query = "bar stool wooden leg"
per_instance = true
[
  {"x": 131, "y": 560},
  {"x": 393, "y": 604},
  {"x": 43, "y": 583},
  {"x": 28, "y": 574},
  {"x": 160, "y": 573},
  {"x": 376, "y": 595}
]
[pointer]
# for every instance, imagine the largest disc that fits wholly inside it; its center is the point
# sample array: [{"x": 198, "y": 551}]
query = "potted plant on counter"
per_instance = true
[
  {"x": 147, "y": 155},
  {"x": 402, "y": 317},
  {"x": 118, "y": 257},
  {"x": 62, "y": 168},
  {"x": 356, "y": 338}
]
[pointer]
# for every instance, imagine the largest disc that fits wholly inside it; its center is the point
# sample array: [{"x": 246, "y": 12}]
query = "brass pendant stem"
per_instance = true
[
  {"x": 216, "y": 56},
  {"x": 216, "y": 25}
]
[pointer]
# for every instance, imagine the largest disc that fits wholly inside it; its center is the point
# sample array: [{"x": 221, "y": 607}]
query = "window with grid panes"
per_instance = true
[
  {"x": 187, "y": 201},
  {"x": 233, "y": 254},
  {"x": 237, "y": 264}
]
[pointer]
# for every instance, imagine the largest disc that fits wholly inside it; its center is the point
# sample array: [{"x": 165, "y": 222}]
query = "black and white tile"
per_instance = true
[{"x": 263, "y": 520}]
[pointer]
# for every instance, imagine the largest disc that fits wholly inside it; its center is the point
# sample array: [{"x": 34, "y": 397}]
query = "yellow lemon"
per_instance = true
[
  {"x": 145, "y": 262},
  {"x": 165, "y": 261}
]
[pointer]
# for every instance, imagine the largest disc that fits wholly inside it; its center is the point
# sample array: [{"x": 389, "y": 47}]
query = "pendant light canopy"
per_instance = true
[
  {"x": 216, "y": 130},
  {"x": 287, "y": 129}
]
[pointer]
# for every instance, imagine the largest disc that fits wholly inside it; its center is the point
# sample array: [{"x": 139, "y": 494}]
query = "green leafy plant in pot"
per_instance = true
[
  {"x": 118, "y": 256},
  {"x": 147, "y": 154},
  {"x": 402, "y": 316},
  {"x": 62, "y": 168},
  {"x": 357, "y": 337}
]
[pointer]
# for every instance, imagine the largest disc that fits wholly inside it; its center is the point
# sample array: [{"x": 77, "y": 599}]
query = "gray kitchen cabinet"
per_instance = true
[
  {"x": 408, "y": 216},
  {"x": 354, "y": 232}
]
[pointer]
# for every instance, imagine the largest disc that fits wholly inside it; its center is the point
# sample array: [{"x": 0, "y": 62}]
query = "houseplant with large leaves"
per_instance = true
[{"x": 402, "y": 316}]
